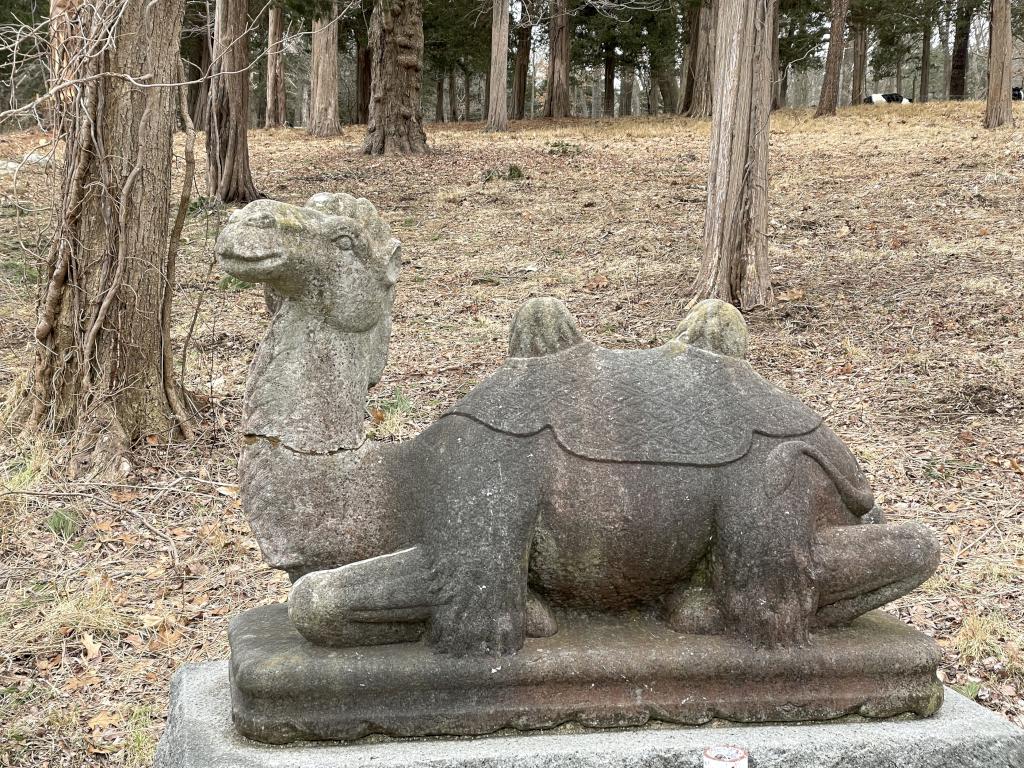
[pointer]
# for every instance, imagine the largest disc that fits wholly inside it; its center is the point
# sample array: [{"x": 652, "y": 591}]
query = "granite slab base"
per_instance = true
[
  {"x": 594, "y": 672},
  {"x": 962, "y": 734}
]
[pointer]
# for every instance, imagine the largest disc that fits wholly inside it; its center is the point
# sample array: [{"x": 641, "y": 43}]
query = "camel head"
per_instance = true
[{"x": 333, "y": 258}]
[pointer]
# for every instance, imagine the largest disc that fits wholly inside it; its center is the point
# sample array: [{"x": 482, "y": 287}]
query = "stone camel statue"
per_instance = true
[{"x": 575, "y": 478}]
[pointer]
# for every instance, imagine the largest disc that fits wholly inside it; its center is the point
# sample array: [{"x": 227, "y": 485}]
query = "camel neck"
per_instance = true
[{"x": 307, "y": 385}]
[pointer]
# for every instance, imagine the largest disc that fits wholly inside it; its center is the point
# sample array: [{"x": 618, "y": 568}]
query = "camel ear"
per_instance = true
[{"x": 394, "y": 262}]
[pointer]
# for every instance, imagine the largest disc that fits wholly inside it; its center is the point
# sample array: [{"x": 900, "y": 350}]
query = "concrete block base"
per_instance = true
[{"x": 963, "y": 734}]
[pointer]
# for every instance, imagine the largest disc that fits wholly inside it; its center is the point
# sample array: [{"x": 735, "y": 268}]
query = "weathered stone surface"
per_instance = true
[
  {"x": 716, "y": 327},
  {"x": 329, "y": 269},
  {"x": 676, "y": 404},
  {"x": 573, "y": 491},
  {"x": 594, "y": 672},
  {"x": 199, "y": 734},
  {"x": 543, "y": 327}
]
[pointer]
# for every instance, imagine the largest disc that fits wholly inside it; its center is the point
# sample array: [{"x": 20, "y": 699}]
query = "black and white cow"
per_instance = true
[
  {"x": 887, "y": 98},
  {"x": 1018, "y": 93}
]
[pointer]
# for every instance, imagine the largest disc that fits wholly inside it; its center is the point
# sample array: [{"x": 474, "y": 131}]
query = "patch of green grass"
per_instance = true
[
  {"x": 139, "y": 744},
  {"x": 563, "y": 148},
  {"x": 232, "y": 284},
  {"x": 514, "y": 173},
  {"x": 390, "y": 416},
  {"x": 19, "y": 271},
  {"x": 64, "y": 523},
  {"x": 968, "y": 689},
  {"x": 201, "y": 204},
  {"x": 990, "y": 635}
]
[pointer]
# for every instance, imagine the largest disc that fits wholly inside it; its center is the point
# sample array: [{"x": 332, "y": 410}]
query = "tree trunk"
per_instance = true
[
  {"x": 454, "y": 98},
  {"x": 524, "y": 43},
  {"x": 734, "y": 267},
  {"x": 776, "y": 62},
  {"x": 275, "y": 68},
  {"x": 668, "y": 85},
  {"x": 704, "y": 58},
  {"x": 323, "y": 77},
  {"x": 609, "y": 83},
  {"x": 784, "y": 89},
  {"x": 364, "y": 74},
  {"x": 439, "y": 104},
  {"x": 487, "y": 97},
  {"x": 626, "y": 91},
  {"x": 497, "y": 102},
  {"x": 396, "y": 45},
  {"x": 946, "y": 54},
  {"x": 467, "y": 86},
  {"x": 999, "y": 107},
  {"x": 860, "y": 63},
  {"x": 557, "y": 101},
  {"x": 198, "y": 69},
  {"x": 227, "y": 139},
  {"x": 899, "y": 75},
  {"x": 961, "y": 45},
  {"x": 102, "y": 353},
  {"x": 693, "y": 27},
  {"x": 926, "y": 61},
  {"x": 829, "y": 98}
]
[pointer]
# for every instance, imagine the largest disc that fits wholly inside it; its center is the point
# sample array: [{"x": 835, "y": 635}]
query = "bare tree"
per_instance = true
[
  {"x": 999, "y": 107},
  {"x": 396, "y": 58},
  {"x": 703, "y": 58},
  {"x": 734, "y": 267},
  {"x": 363, "y": 79},
  {"x": 626, "y": 90},
  {"x": 102, "y": 367},
  {"x": 829, "y": 98},
  {"x": 275, "y": 68},
  {"x": 524, "y": 44},
  {"x": 229, "y": 178},
  {"x": 453, "y": 97},
  {"x": 324, "y": 119},
  {"x": 497, "y": 107},
  {"x": 609, "y": 82},
  {"x": 947, "y": 58},
  {"x": 965, "y": 10},
  {"x": 557, "y": 102},
  {"x": 860, "y": 63},
  {"x": 926, "y": 60}
]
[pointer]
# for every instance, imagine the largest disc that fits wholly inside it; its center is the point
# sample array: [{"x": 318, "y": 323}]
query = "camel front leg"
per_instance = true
[{"x": 383, "y": 600}]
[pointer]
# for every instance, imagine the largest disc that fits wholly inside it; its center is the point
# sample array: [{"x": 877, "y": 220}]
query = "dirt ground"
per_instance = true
[{"x": 898, "y": 250}]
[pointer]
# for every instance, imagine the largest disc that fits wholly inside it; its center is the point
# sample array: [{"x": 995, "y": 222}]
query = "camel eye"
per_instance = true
[{"x": 345, "y": 242}]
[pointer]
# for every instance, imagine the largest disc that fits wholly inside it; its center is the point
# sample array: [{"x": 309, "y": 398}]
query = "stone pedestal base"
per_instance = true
[
  {"x": 593, "y": 672},
  {"x": 962, "y": 735}
]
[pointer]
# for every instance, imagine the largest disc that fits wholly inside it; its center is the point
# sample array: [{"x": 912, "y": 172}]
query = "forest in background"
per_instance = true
[{"x": 627, "y": 57}]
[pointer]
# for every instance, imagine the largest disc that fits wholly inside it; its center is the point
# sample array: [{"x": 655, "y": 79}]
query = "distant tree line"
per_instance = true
[{"x": 112, "y": 80}]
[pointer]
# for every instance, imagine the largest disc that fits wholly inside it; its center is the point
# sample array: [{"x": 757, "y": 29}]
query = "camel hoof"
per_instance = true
[
  {"x": 540, "y": 621},
  {"x": 694, "y": 611}
]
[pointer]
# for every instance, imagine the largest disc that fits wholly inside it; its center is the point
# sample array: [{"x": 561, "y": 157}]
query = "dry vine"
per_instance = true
[{"x": 93, "y": 307}]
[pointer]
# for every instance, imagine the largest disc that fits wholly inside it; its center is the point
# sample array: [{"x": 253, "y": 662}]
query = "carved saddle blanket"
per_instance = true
[{"x": 675, "y": 404}]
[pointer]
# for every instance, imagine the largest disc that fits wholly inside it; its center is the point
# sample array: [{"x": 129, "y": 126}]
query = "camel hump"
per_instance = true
[
  {"x": 717, "y": 327},
  {"x": 542, "y": 327}
]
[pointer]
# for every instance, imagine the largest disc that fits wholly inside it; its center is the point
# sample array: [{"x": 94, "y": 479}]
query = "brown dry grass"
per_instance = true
[{"x": 897, "y": 244}]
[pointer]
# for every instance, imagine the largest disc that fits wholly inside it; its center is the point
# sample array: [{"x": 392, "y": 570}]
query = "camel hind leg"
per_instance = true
[{"x": 863, "y": 567}]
